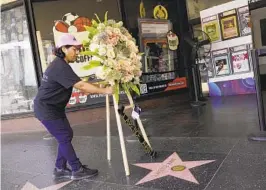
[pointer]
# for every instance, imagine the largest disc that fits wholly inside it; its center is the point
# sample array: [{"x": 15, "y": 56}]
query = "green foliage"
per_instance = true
[{"x": 92, "y": 64}]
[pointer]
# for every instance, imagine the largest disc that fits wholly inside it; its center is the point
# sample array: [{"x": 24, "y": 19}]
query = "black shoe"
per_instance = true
[
  {"x": 83, "y": 173},
  {"x": 62, "y": 173}
]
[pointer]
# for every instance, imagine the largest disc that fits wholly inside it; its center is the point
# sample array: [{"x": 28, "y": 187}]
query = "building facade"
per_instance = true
[{"x": 28, "y": 30}]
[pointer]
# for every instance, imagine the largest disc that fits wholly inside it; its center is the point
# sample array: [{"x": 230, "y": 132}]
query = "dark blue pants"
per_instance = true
[{"x": 63, "y": 133}]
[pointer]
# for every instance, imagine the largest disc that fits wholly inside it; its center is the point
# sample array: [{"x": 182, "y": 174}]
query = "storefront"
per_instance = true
[
  {"x": 238, "y": 76},
  {"x": 29, "y": 29}
]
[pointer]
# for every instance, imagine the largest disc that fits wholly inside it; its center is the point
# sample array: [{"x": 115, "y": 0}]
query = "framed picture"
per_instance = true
[
  {"x": 212, "y": 28},
  {"x": 244, "y": 21},
  {"x": 240, "y": 59},
  {"x": 229, "y": 25},
  {"x": 240, "y": 62},
  {"x": 221, "y": 62}
]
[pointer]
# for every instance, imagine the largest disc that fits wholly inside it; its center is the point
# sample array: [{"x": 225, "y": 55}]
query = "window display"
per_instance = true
[
  {"x": 70, "y": 17},
  {"x": 158, "y": 59},
  {"x": 195, "y": 6},
  {"x": 18, "y": 80}
]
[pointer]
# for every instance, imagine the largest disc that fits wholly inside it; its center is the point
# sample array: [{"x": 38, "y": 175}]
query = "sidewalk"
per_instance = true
[{"x": 214, "y": 138}]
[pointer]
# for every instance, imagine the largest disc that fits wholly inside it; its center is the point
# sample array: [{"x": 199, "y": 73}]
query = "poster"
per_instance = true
[
  {"x": 244, "y": 21},
  {"x": 74, "y": 24},
  {"x": 211, "y": 27},
  {"x": 229, "y": 25},
  {"x": 221, "y": 62}
]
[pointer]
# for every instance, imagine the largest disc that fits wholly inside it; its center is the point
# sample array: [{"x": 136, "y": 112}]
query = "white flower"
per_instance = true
[
  {"x": 102, "y": 51},
  {"x": 93, "y": 47},
  {"x": 111, "y": 82},
  {"x": 133, "y": 55},
  {"x": 110, "y": 63},
  {"x": 123, "y": 38},
  {"x": 95, "y": 58},
  {"x": 120, "y": 24},
  {"x": 110, "y": 53},
  {"x": 117, "y": 31},
  {"x": 101, "y": 26}
]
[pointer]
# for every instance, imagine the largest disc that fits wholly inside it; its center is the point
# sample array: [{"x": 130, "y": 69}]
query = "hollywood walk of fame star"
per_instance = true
[
  {"x": 29, "y": 186},
  {"x": 172, "y": 166}
]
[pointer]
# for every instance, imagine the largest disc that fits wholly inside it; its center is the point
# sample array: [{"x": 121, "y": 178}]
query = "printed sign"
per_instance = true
[
  {"x": 74, "y": 24},
  {"x": 168, "y": 85},
  {"x": 160, "y": 12}
]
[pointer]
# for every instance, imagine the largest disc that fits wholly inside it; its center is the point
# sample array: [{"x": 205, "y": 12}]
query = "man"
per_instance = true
[{"x": 51, "y": 100}]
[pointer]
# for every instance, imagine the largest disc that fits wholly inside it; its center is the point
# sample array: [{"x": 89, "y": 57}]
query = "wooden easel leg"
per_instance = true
[
  {"x": 121, "y": 137},
  {"x": 139, "y": 122},
  {"x": 108, "y": 130}
]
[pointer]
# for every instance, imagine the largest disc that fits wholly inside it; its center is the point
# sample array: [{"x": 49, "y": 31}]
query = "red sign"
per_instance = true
[{"x": 178, "y": 83}]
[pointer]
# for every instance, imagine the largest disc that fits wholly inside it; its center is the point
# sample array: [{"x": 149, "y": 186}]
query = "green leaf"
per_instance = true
[
  {"x": 125, "y": 87},
  {"x": 85, "y": 79},
  {"x": 116, "y": 92},
  {"x": 99, "y": 21},
  {"x": 92, "y": 65},
  {"x": 134, "y": 88},
  {"x": 105, "y": 67},
  {"x": 89, "y": 28},
  {"x": 102, "y": 82},
  {"x": 141, "y": 54},
  {"x": 89, "y": 53},
  {"x": 105, "y": 17},
  {"x": 94, "y": 23},
  {"x": 92, "y": 31},
  {"x": 85, "y": 43}
]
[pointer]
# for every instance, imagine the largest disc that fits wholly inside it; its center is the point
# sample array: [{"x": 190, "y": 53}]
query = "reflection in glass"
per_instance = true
[{"x": 18, "y": 78}]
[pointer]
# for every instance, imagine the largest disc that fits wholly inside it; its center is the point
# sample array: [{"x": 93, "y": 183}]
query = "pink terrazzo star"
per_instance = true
[{"x": 172, "y": 166}]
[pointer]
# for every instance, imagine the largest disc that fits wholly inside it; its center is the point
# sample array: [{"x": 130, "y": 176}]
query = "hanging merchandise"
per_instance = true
[
  {"x": 173, "y": 41},
  {"x": 142, "y": 11},
  {"x": 160, "y": 12}
]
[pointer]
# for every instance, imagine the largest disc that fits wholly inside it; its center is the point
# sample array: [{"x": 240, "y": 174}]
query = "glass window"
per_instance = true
[
  {"x": 18, "y": 78},
  {"x": 68, "y": 16},
  {"x": 195, "y": 6},
  {"x": 3, "y": 2},
  {"x": 156, "y": 27}
]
